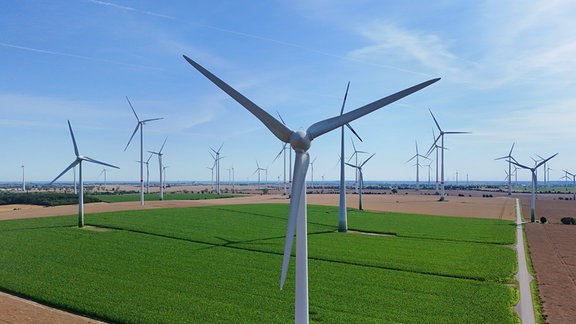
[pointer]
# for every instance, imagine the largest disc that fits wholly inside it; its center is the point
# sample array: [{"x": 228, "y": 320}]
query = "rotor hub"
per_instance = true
[{"x": 300, "y": 141}]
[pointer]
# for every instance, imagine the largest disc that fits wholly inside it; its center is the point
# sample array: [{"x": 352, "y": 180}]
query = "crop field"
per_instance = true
[
  {"x": 112, "y": 198},
  {"x": 222, "y": 264}
]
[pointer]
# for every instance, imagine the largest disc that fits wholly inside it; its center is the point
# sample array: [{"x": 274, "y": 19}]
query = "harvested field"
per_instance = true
[{"x": 552, "y": 251}]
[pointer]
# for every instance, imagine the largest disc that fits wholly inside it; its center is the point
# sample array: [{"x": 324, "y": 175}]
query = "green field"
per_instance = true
[
  {"x": 112, "y": 198},
  {"x": 222, "y": 264}
]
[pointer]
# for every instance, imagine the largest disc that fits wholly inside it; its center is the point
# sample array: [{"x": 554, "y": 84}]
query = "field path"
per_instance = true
[{"x": 525, "y": 308}]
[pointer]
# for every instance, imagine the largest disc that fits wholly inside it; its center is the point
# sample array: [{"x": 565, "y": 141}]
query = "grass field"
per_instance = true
[
  {"x": 112, "y": 198},
  {"x": 222, "y": 264}
]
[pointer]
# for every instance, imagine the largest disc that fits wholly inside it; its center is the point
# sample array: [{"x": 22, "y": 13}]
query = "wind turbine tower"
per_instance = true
[
  {"x": 78, "y": 162},
  {"x": 140, "y": 125},
  {"x": 441, "y": 136},
  {"x": 534, "y": 183},
  {"x": 301, "y": 141},
  {"x": 342, "y": 214}
]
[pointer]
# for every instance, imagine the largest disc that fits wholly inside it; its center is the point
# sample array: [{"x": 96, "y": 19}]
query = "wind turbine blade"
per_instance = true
[
  {"x": 131, "y": 137},
  {"x": 361, "y": 165},
  {"x": 151, "y": 119},
  {"x": 433, "y": 146},
  {"x": 134, "y": 111},
  {"x": 329, "y": 124},
  {"x": 73, "y": 164},
  {"x": 412, "y": 158},
  {"x": 280, "y": 153},
  {"x": 296, "y": 203},
  {"x": 510, "y": 154},
  {"x": 277, "y": 128},
  {"x": 457, "y": 132},
  {"x": 73, "y": 140},
  {"x": 435, "y": 121},
  {"x": 345, "y": 96},
  {"x": 162, "y": 147},
  {"x": 282, "y": 120},
  {"x": 352, "y": 165},
  {"x": 544, "y": 161},
  {"x": 353, "y": 146},
  {"x": 99, "y": 162},
  {"x": 220, "y": 148},
  {"x": 354, "y": 132},
  {"x": 520, "y": 165},
  {"x": 149, "y": 158}
]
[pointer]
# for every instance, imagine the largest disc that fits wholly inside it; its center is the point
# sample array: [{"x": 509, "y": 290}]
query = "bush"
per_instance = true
[
  {"x": 543, "y": 220},
  {"x": 568, "y": 220}
]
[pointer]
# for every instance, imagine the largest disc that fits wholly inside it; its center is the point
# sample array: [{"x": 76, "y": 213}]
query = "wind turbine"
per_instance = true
[
  {"x": 103, "y": 172},
  {"x": 147, "y": 173},
  {"x": 546, "y": 179},
  {"x": 212, "y": 174},
  {"x": 573, "y": 183},
  {"x": 361, "y": 178},
  {"x": 78, "y": 162},
  {"x": 342, "y": 214},
  {"x": 300, "y": 141},
  {"x": 160, "y": 154},
  {"x": 258, "y": 169},
  {"x": 441, "y": 135},
  {"x": 435, "y": 147},
  {"x": 534, "y": 182},
  {"x": 283, "y": 152},
  {"x": 312, "y": 172},
  {"x": 217, "y": 161},
  {"x": 417, "y": 156},
  {"x": 23, "y": 180},
  {"x": 140, "y": 125},
  {"x": 355, "y": 154},
  {"x": 509, "y": 158}
]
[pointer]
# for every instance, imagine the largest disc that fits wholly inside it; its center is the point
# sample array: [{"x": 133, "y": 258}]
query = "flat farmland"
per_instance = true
[{"x": 222, "y": 263}]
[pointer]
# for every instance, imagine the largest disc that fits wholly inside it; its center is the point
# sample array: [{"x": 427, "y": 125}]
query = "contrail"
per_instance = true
[
  {"x": 149, "y": 13},
  {"x": 37, "y": 50},
  {"x": 266, "y": 39}
]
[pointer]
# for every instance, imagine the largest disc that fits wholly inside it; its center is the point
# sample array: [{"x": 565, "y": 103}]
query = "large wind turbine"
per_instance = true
[
  {"x": 361, "y": 178},
  {"x": 160, "y": 154},
  {"x": 534, "y": 182},
  {"x": 78, "y": 162},
  {"x": 417, "y": 156},
  {"x": 140, "y": 125},
  {"x": 441, "y": 135},
  {"x": 509, "y": 158},
  {"x": 300, "y": 141},
  {"x": 342, "y": 214}
]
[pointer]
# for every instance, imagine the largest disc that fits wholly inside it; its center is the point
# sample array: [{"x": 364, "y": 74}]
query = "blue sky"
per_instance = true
[{"x": 507, "y": 70}]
